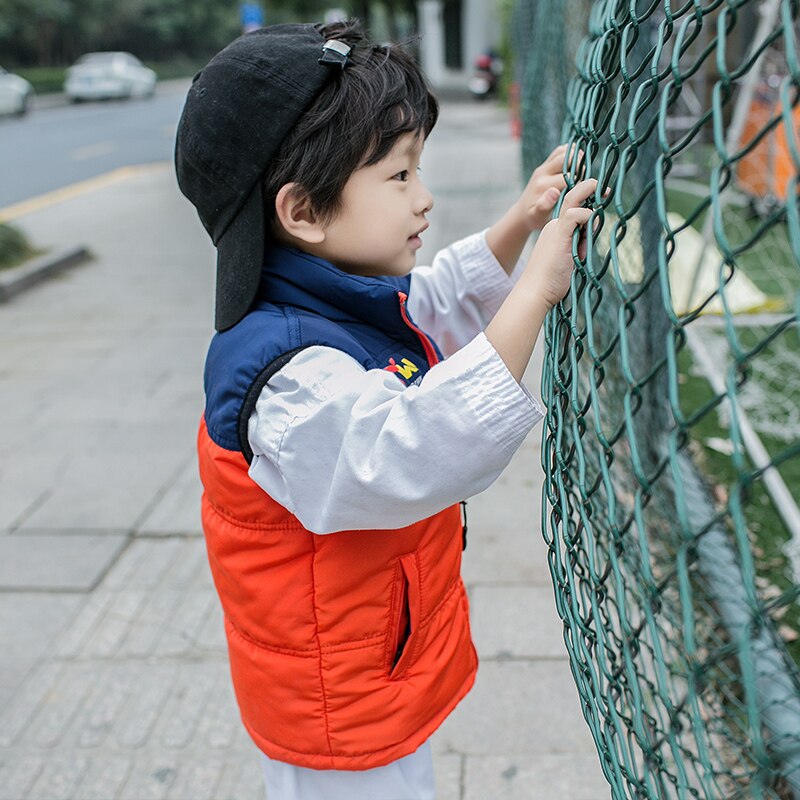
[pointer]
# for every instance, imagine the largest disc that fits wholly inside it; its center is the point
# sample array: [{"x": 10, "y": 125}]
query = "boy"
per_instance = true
[{"x": 336, "y": 442}]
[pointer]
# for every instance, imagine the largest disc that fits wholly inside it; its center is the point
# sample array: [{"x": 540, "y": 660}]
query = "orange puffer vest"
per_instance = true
[{"x": 348, "y": 649}]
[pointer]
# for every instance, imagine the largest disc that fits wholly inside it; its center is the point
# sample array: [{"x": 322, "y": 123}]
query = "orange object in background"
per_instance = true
[
  {"x": 765, "y": 171},
  {"x": 514, "y": 108}
]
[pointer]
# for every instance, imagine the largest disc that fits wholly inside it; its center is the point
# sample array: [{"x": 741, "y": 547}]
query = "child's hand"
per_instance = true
[
  {"x": 549, "y": 269},
  {"x": 539, "y": 197}
]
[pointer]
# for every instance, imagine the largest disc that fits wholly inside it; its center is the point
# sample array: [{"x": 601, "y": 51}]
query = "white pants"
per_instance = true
[{"x": 408, "y": 778}]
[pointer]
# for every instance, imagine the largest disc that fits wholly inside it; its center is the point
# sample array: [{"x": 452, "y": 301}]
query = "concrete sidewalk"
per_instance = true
[{"x": 113, "y": 679}]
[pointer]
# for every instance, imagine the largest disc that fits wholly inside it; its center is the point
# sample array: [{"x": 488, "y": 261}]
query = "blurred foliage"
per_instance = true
[
  {"x": 56, "y": 32},
  {"x": 51, "y": 79},
  {"x": 43, "y": 79},
  {"x": 14, "y": 247}
]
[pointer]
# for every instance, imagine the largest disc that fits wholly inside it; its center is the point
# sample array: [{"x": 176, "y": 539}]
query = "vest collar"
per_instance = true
[{"x": 292, "y": 277}]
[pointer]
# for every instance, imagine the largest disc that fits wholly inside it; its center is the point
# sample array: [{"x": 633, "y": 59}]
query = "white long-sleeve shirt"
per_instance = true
[{"x": 344, "y": 448}]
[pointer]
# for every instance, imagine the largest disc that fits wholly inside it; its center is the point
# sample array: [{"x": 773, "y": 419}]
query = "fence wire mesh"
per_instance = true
[{"x": 672, "y": 377}]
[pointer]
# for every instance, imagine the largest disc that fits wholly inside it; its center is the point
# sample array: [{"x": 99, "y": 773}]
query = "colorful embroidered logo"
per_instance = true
[{"x": 406, "y": 368}]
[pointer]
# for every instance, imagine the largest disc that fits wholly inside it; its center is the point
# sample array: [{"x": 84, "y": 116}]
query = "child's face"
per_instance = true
[{"x": 382, "y": 215}]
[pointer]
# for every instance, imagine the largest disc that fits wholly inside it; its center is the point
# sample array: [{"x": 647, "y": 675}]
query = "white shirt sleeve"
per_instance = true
[
  {"x": 457, "y": 296},
  {"x": 344, "y": 448}
]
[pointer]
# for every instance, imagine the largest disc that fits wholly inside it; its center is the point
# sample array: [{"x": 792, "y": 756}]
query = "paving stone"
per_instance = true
[
  {"x": 181, "y": 636},
  {"x": 60, "y": 707},
  {"x": 105, "y": 777},
  {"x": 123, "y": 611},
  {"x": 17, "y": 775},
  {"x": 129, "y": 486},
  {"x": 502, "y": 556},
  {"x": 198, "y": 781},
  {"x": 220, "y": 728},
  {"x": 518, "y": 707},
  {"x": 178, "y": 509},
  {"x": 185, "y": 706},
  {"x": 25, "y": 478},
  {"x": 448, "y": 771},
  {"x": 59, "y": 778},
  {"x": 153, "y": 779},
  {"x": 104, "y": 709},
  {"x": 92, "y": 612},
  {"x": 56, "y": 562},
  {"x": 29, "y": 625},
  {"x": 535, "y": 776},
  {"x": 516, "y": 621},
  {"x": 17, "y": 715},
  {"x": 151, "y": 693}
]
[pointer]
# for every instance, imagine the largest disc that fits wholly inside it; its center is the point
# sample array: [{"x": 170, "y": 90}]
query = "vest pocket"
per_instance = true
[{"x": 405, "y": 618}]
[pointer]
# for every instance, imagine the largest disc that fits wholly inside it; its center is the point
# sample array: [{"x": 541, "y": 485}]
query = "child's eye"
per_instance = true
[{"x": 402, "y": 176}]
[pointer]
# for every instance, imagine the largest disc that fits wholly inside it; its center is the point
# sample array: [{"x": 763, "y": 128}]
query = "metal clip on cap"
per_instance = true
[{"x": 334, "y": 53}]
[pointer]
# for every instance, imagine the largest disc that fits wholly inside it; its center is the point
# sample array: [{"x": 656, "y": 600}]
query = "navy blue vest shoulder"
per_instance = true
[{"x": 305, "y": 301}]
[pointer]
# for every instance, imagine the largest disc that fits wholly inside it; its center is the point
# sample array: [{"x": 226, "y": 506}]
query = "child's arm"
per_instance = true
[
  {"x": 507, "y": 237},
  {"x": 546, "y": 279}
]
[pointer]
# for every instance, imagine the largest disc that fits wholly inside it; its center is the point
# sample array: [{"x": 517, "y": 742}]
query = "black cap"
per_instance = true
[{"x": 238, "y": 111}]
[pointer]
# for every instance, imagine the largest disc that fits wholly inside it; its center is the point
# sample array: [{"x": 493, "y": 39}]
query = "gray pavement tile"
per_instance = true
[
  {"x": 504, "y": 557},
  {"x": 52, "y": 719},
  {"x": 17, "y": 775},
  {"x": 448, "y": 771},
  {"x": 16, "y": 716},
  {"x": 59, "y": 778},
  {"x": 130, "y": 481},
  {"x": 178, "y": 508},
  {"x": 56, "y": 562},
  {"x": 25, "y": 479},
  {"x": 516, "y": 622},
  {"x": 535, "y": 776},
  {"x": 198, "y": 781},
  {"x": 518, "y": 707},
  {"x": 105, "y": 777},
  {"x": 104, "y": 708},
  {"x": 28, "y": 626}
]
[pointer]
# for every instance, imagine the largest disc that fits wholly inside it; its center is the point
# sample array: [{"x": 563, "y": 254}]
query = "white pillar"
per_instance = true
[
  {"x": 481, "y": 29},
  {"x": 432, "y": 44}
]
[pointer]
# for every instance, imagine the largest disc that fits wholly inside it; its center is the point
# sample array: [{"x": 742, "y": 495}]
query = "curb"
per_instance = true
[{"x": 16, "y": 280}]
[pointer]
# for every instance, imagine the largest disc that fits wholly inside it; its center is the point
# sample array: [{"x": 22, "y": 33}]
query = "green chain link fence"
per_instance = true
[{"x": 672, "y": 378}]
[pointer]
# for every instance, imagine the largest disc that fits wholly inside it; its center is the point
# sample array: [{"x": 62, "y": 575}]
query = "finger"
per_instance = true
[
  {"x": 556, "y": 157},
  {"x": 575, "y": 217},
  {"x": 554, "y": 163},
  {"x": 548, "y": 199},
  {"x": 578, "y": 195},
  {"x": 556, "y": 181}
]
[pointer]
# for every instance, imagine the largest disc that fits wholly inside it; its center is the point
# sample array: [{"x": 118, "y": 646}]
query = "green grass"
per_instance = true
[
  {"x": 768, "y": 534},
  {"x": 51, "y": 79},
  {"x": 43, "y": 79},
  {"x": 769, "y": 262},
  {"x": 14, "y": 247}
]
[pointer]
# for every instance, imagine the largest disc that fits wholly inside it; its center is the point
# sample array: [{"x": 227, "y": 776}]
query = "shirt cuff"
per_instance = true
[
  {"x": 506, "y": 408},
  {"x": 484, "y": 274}
]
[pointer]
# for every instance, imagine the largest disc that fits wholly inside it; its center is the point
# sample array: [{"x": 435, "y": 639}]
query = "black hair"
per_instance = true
[{"x": 354, "y": 121}]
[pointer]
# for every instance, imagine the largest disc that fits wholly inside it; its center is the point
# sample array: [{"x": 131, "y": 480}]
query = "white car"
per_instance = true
[
  {"x": 15, "y": 93},
  {"x": 98, "y": 76}
]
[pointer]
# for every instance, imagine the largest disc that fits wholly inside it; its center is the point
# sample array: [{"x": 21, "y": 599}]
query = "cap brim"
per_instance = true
[{"x": 240, "y": 253}]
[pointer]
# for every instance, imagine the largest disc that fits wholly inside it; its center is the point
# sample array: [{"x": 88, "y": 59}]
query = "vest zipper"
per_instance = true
[{"x": 427, "y": 345}]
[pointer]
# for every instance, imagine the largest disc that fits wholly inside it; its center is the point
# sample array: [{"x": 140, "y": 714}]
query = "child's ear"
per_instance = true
[{"x": 295, "y": 214}]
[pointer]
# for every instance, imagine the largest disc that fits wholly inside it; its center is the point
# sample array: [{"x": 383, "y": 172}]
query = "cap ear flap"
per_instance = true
[{"x": 295, "y": 215}]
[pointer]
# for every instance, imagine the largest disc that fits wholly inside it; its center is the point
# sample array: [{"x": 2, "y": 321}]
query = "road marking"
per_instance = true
[
  {"x": 93, "y": 151},
  {"x": 10, "y": 213}
]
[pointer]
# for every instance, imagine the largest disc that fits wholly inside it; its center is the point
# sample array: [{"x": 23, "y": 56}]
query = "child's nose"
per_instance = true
[{"x": 424, "y": 199}]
